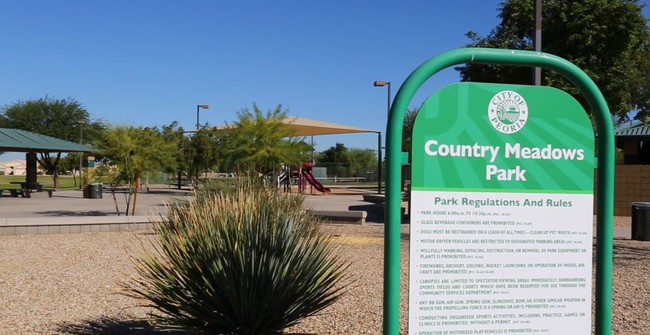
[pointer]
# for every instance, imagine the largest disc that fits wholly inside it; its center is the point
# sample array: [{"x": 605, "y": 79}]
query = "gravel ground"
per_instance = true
[{"x": 58, "y": 284}]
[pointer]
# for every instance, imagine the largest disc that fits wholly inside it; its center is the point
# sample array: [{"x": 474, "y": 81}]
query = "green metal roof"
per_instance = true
[
  {"x": 16, "y": 140},
  {"x": 636, "y": 131}
]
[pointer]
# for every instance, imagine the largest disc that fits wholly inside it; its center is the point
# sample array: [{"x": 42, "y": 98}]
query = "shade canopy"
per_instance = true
[
  {"x": 16, "y": 140},
  {"x": 308, "y": 127}
]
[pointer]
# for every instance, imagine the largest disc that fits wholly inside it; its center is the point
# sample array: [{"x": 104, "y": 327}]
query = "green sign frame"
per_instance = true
[{"x": 605, "y": 164}]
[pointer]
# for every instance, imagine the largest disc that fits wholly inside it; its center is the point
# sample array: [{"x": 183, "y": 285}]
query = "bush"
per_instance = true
[
  {"x": 250, "y": 261},
  {"x": 220, "y": 185}
]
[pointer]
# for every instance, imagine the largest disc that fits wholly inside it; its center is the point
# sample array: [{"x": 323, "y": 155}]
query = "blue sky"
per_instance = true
[{"x": 150, "y": 62}]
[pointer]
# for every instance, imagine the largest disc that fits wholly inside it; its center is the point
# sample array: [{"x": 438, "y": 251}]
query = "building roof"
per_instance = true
[
  {"x": 635, "y": 131},
  {"x": 16, "y": 140}
]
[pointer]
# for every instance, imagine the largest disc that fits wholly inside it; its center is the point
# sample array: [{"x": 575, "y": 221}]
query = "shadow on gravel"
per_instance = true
[
  {"x": 375, "y": 212},
  {"x": 75, "y": 213},
  {"x": 183, "y": 193},
  {"x": 626, "y": 250},
  {"x": 113, "y": 326},
  {"x": 406, "y": 236}
]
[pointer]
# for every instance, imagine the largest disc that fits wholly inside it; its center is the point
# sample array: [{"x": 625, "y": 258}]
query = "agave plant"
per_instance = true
[{"x": 244, "y": 262}]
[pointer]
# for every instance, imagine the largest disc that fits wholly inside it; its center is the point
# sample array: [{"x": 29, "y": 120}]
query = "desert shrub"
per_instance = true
[
  {"x": 249, "y": 261},
  {"x": 219, "y": 185}
]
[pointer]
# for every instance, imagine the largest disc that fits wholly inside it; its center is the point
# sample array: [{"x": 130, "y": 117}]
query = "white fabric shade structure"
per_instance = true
[{"x": 309, "y": 127}]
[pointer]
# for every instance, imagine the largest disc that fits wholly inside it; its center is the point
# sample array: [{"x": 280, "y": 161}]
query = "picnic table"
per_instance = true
[{"x": 27, "y": 188}]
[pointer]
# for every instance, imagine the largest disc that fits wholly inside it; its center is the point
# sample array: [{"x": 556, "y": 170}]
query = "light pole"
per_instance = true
[
  {"x": 198, "y": 107},
  {"x": 380, "y": 83},
  {"x": 81, "y": 154},
  {"x": 537, "y": 73}
]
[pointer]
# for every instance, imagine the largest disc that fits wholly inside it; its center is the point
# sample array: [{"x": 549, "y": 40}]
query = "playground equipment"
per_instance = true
[
  {"x": 306, "y": 174},
  {"x": 285, "y": 176},
  {"x": 284, "y": 179}
]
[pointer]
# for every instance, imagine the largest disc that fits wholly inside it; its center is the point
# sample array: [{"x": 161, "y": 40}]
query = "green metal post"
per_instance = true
[{"x": 605, "y": 200}]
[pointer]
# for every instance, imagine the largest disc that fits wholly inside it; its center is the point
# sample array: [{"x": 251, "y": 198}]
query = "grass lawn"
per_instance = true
[{"x": 65, "y": 182}]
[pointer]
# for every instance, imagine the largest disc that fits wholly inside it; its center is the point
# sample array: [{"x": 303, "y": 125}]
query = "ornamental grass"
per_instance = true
[{"x": 247, "y": 261}]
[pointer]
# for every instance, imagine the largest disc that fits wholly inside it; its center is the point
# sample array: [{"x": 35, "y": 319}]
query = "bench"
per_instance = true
[
  {"x": 27, "y": 191},
  {"x": 13, "y": 191},
  {"x": 345, "y": 179}
]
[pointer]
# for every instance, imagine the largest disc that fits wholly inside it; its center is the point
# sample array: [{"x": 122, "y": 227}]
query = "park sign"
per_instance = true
[{"x": 502, "y": 212}]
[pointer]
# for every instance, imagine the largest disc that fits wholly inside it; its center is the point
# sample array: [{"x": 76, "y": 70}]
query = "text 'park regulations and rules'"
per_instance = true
[{"x": 499, "y": 263}]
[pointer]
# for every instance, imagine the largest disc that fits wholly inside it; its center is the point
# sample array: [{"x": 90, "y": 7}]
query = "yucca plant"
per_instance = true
[{"x": 250, "y": 261}]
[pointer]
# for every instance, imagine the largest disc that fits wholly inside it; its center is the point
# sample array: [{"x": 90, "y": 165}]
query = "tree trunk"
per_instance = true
[
  {"x": 135, "y": 194},
  {"x": 117, "y": 207},
  {"x": 55, "y": 178}
]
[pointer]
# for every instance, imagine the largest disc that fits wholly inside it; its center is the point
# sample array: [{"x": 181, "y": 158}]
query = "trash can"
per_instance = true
[
  {"x": 93, "y": 191},
  {"x": 641, "y": 221}
]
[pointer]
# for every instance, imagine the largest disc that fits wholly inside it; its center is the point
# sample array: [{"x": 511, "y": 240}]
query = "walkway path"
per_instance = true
[{"x": 69, "y": 207}]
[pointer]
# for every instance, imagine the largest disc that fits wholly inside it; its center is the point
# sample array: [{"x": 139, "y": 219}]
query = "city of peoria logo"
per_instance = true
[{"x": 508, "y": 112}]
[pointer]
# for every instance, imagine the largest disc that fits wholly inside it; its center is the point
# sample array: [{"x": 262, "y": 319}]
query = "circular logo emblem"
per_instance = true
[{"x": 508, "y": 112}]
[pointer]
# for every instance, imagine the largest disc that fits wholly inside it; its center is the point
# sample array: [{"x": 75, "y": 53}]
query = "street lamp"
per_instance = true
[
  {"x": 381, "y": 83},
  {"x": 198, "y": 107},
  {"x": 537, "y": 41},
  {"x": 81, "y": 155}
]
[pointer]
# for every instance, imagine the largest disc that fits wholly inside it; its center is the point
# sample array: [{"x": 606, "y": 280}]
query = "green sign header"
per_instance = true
[{"x": 471, "y": 137}]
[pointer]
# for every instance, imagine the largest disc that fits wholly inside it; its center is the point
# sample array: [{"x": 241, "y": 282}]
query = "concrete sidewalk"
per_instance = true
[
  {"x": 70, "y": 203},
  {"x": 68, "y": 211}
]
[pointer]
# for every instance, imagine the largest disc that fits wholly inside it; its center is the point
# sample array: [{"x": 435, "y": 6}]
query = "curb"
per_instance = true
[{"x": 89, "y": 224}]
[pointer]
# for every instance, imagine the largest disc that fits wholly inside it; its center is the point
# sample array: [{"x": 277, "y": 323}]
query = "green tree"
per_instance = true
[
  {"x": 69, "y": 162},
  {"x": 261, "y": 141},
  {"x": 363, "y": 161},
  {"x": 133, "y": 152},
  {"x": 58, "y": 118},
  {"x": 196, "y": 153},
  {"x": 609, "y": 40},
  {"x": 407, "y": 129},
  {"x": 174, "y": 133},
  {"x": 338, "y": 157},
  {"x": 200, "y": 153}
]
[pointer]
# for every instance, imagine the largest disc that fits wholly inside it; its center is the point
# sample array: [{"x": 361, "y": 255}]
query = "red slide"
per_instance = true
[{"x": 310, "y": 179}]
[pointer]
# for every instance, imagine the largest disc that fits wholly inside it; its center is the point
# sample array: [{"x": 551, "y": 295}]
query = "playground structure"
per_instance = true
[
  {"x": 307, "y": 175},
  {"x": 303, "y": 127},
  {"x": 304, "y": 175}
]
